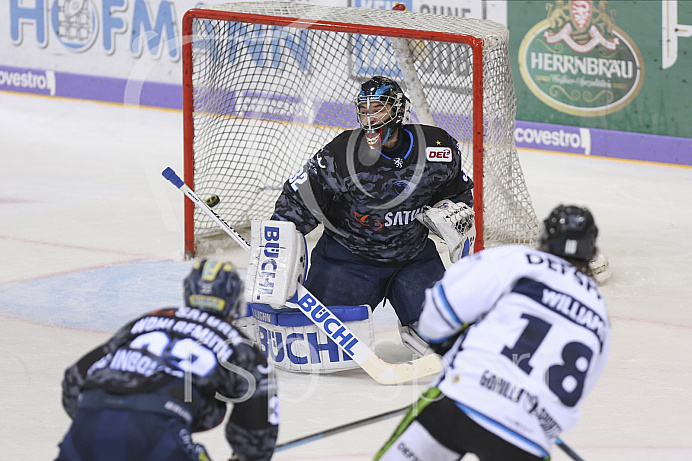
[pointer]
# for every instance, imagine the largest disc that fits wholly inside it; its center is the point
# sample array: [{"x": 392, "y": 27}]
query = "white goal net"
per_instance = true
[{"x": 266, "y": 85}]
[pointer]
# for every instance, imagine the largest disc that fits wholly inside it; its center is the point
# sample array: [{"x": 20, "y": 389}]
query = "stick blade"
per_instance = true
[{"x": 400, "y": 373}]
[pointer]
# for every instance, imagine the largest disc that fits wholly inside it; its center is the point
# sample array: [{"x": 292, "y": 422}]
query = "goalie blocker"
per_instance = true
[{"x": 278, "y": 263}]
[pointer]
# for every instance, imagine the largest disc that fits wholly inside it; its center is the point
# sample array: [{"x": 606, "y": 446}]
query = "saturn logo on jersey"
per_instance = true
[
  {"x": 391, "y": 218},
  {"x": 438, "y": 154},
  {"x": 367, "y": 220}
]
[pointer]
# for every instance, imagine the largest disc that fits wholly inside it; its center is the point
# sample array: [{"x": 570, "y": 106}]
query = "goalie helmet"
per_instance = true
[
  {"x": 569, "y": 232},
  {"x": 381, "y": 120},
  {"x": 214, "y": 286}
]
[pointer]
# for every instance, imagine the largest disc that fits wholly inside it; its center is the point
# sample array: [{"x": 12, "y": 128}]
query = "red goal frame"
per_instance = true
[{"x": 475, "y": 43}]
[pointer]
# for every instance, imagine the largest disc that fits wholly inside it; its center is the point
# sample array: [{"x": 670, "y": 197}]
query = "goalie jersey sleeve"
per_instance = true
[
  {"x": 162, "y": 349},
  {"x": 367, "y": 199},
  {"x": 537, "y": 343}
]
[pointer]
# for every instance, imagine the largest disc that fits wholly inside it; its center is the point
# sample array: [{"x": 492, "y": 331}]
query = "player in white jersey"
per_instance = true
[{"x": 525, "y": 336}]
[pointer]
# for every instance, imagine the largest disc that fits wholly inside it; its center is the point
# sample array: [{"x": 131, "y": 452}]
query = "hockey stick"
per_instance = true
[
  {"x": 377, "y": 418},
  {"x": 571, "y": 453},
  {"x": 381, "y": 371},
  {"x": 339, "y": 429}
]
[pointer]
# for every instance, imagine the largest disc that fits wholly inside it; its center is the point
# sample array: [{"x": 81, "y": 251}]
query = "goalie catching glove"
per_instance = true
[{"x": 453, "y": 223}]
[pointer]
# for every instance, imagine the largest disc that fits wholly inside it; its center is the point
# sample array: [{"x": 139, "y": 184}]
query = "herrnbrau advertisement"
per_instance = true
[{"x": 621, "y": 66}]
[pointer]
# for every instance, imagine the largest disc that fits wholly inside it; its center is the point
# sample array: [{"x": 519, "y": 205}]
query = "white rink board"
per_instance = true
[{"x": 142, "y": 40}]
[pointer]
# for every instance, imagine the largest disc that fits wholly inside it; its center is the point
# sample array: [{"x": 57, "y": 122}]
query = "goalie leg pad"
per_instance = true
[
  {"x": 278, "y": 260},
  {"x": 293, "y": 342},
  {"x": 411, "y": 339}
]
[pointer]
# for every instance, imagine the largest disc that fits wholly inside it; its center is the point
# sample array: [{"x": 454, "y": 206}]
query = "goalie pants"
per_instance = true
[
  {"x": 338, "y": 277},
  {"x": 435, "y": 429}
]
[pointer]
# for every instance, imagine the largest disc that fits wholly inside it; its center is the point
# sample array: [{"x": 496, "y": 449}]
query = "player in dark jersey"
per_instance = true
[
  {"x": 366, "y": 187},
  {"x": 170, "y": 373}
]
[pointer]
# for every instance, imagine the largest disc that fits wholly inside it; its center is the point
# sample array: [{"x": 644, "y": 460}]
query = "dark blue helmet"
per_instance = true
[
  {"x": 392, "y": 109},
  {"x": 569, "y": 232},
  {"x": 214, "y": 286}
]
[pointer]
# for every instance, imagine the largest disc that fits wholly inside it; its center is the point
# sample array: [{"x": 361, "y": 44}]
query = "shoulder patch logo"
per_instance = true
[{"x": 438, "y": 154}]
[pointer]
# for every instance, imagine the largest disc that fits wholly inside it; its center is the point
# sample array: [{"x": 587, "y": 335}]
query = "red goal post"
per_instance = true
[{"x": 266, "y": 85}]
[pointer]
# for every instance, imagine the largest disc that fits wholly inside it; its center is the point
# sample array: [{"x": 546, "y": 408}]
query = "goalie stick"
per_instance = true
[{"x": 381, "y": 371}]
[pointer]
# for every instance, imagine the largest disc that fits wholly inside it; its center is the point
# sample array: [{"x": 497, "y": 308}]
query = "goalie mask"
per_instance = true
[
  {"x": 569, "y": 232},
  {"x": 214, "y": 286},
  {"x": 381, "y": 107}
]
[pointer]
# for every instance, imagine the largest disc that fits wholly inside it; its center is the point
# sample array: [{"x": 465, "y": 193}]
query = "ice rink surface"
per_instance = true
[{"x": 91, "y": 236}]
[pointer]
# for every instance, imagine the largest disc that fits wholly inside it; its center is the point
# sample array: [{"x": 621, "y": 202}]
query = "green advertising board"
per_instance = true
[{"x": 615, "y": 65}]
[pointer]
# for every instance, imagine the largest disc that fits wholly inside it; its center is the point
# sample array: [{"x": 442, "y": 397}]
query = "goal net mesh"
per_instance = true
[{"x": 271, "y": 83}]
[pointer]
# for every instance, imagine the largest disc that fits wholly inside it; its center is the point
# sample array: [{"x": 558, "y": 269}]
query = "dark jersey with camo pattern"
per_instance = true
[
  {"x": 367, "y": 199},
  {"x": 160, "y": 351}
]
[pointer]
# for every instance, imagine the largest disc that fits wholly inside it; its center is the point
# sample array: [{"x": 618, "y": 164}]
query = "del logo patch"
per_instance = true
[{"x": 439, "y": 154}]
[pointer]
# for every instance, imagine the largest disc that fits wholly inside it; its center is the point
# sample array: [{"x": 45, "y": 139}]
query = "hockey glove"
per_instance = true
[
  {"x": 453, "y": 223},
  {"x": 277, "y": 262},
  {"x": 446, "y": 345}
]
